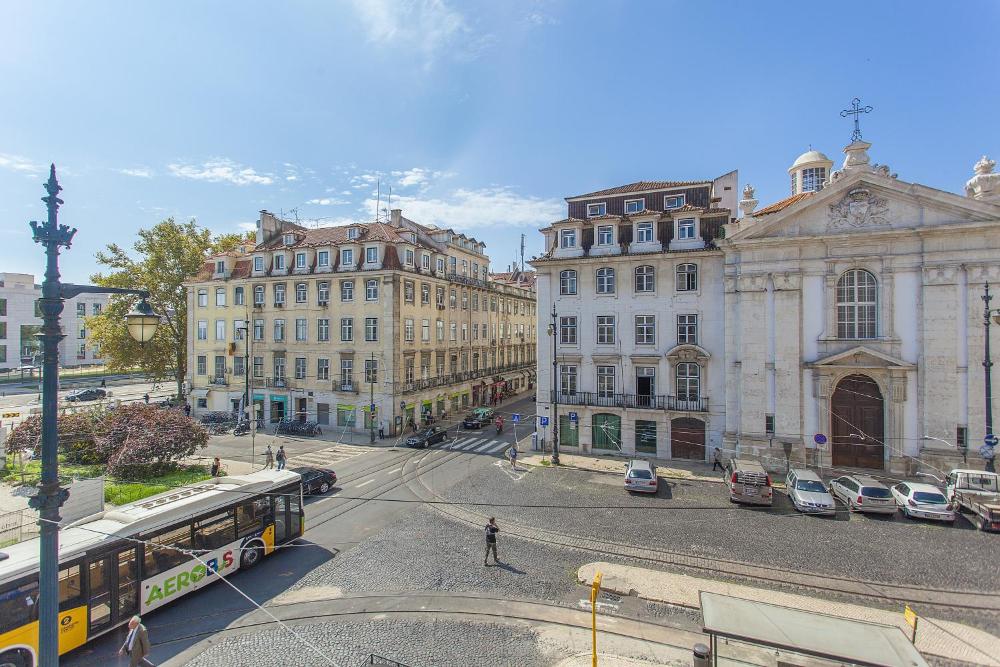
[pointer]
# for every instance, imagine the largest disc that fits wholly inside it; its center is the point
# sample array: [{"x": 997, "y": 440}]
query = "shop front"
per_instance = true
[{"x": 279, "y": 408}]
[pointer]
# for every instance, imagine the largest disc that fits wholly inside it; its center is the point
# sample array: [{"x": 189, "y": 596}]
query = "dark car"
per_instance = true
[
  {"x": 478, "y": 418},
  {"x": 316, "y": 480},
  {"x": 427, "y": 438},
  {"x": 87, "y": 395}
]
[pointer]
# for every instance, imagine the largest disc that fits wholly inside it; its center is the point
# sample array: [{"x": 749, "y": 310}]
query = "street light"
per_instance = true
[
  {"x": 141, "y": 323},
  {"x": 988, "y": 314},
  {"x": 553, "y": 330}
]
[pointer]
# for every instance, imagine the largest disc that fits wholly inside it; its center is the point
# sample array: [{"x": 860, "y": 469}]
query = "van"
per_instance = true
[{"x": 749, "y": 483}]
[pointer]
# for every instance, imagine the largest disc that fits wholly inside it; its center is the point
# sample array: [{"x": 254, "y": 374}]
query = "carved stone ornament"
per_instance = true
[{"x": 859, "y": 208}]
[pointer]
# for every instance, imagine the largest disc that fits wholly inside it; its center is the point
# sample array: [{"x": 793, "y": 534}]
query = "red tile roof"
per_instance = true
[
  {"x": 325, "y": 236},
  {"x": 639, "y": 186},
  {"x": 781, "y": 205}
]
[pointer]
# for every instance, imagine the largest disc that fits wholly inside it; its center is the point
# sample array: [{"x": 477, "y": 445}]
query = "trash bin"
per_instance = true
[
  {"x": 534, "y": 442},
  {"x": 701, "y": 656}
]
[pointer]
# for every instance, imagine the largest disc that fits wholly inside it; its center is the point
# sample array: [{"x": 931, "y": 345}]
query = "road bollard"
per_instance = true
[{"x": 701, "y": 656}]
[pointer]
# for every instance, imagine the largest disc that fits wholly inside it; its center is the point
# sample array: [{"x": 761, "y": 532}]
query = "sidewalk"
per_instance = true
[
  {"x": 936, "y": 636},
  {"x": 667, "y": 468}
]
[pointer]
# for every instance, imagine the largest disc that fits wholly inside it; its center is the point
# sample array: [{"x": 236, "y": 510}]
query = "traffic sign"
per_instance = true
[
  {"x": 372, "y": 407},
  {"x": 991, "y": 440},
  {"x": 543, "y": 421},
  {"x": 819, "y": 439},
  {"x": 572, "y": 417},
  {"x": 402, "y": 405},
  {"x": 516, "y": 418}
]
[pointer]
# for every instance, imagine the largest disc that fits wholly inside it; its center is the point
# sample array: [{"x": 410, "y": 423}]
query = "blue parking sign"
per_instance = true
[
  {"x": 543, "y": 421},
  {"x": 572, "y": 417},
  {"x": 516, "y": 418}
]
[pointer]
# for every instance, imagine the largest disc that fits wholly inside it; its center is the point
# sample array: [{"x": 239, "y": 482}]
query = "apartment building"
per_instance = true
[
  {"x": 21, "y": 322},
  {"x": 393, "y": 314},
  {"x": 630, "y": 295}
]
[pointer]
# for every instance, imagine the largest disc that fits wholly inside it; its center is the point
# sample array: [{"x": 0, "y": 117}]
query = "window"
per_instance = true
[
  {"x": 258, "y": 367},
  {"x": 352, "y": 232},
  {"x": 346, "y": 258},
  {"x": 567, "y": 380},
  {"x": 688, "y": 381},
  {"x": 425, "y": 261},
  {"x": 567, "y": 330},
  {"x": 214, "y": 532},
  {"x": 300, "y": 329},
  {"x": 202, "y": 365},
  {"x": 634, "y": 205},
  {"x": 408, "y": 291},
  {"x": 323, "y": 258},
  {"x": 453, "y": 331},
  {"x": 81, "y": 308},
  {"x": 644, "y": 232},
  {"x": 812, "y": 179},
  {"x": 323, "y": 292},
  {"x": 301, "y": 292},
  {"x": 408, "y": 255},
  {"x": 162, "y": 559},
  {"x": 371, "y": 255},
  {"x": 606, "y": 280},
  {"x": 346, "y": 329},
  {"x": 300, "y": 260},
  {"x": 279, "y": 330},
  {"x": 605, "y": 235},
  {"x": 453, "y": 298},
  {"x": 258, "y": 330},
  {"x": 452, "y": 263},
  {"x": 567, "y": 282},
  {"x": 687, "y": 329},
  {"x": 371, "y": 290},
  {"x": 279, "y": 262},
  {"x": 673, "y": 201},
  {"x": 857, "y": 305},
  {"x": 645, "y": 279},
  {"x": 250, "y": 516},
  {"x": 279, "y": 294},
  {"x": 238, "y": 368},
  {"x": 220, "y": 366},
  {"x": 220, "y": 330},
  {"x": 685, "y": 228},
  {"x": 371, "y": 371},
  {"x": 425, "y": 330},
  {"x": 279, "y": 368},
  {"x": 202, "y": 329},
  {"x": 687, "y": 277},
  {"x": 645, "y": 329},
  {"x": 408, "y": 329},
  {"x": 371, "y": 329},
  {"x": 347, "y": 374},
  {"x": 606, "y": 330},
  {"x": 258, "y": 264},
  {"x": 239, "y": 296},
  {"x": 465, "y": 331},
  {"x": 567, "y": 238},
  {"x": 347, "y": 290},
  {"x": 440, "y": 265},
  {"x": 439, "y": 297},
  {"x": 202, "y": 298},
  {"x": 289, "y": 239},
  {"x": 440, "y": 330},
  {"x": 962, "y": 438},
  {"x": 323, "y": 329},
  {"x": 95, "y": 309},
  {"x": 425, "y": 293},
  {"x": 300, "y": 368},
  {"x": 769, "y": 424},
  {"x": 605, "y": 381},
  {"x": 258, "y": 295},
  {"x": 595, "y": 210},
  {"x": 465, "y": 299},
  {"x": 82, "y": 333}
]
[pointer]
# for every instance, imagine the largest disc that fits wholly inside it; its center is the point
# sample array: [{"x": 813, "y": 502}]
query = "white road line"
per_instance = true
[
  {"x": 472, "y": 444},
  {"x": 498, "y": 447},
  {"x": 391, "y": 472},
  {"x": 364, "y": 483},
  {"x": 483, "y": 446}
]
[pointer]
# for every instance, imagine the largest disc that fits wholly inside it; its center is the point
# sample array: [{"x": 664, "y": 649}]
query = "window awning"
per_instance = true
[{"x": 199, "y": 393}]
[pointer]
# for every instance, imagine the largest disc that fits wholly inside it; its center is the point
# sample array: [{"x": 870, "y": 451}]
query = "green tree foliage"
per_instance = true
[{"x": 229, "y": 242}]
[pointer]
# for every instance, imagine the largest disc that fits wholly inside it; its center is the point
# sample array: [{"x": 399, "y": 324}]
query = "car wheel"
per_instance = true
[
  {"x": 251, "y": 556},
  {"x": 324, "y": 487}
]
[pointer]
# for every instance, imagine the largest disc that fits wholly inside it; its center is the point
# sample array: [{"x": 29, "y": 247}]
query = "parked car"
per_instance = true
[
  {"x": 427, "y": 437},
  {"x": 923, "y": 501},
  {"x": 478, "y": 418},
  {"x": 640, "y": 476},
  {"x": 749, "y": 483},
  {"x": 295, "y": 427},
  {"x": 808, "y": 493},
  {"x": 316, "y": 480},
  {"x": 93, "y": 394},
  {"x": 863, "y": 494},
  {"x": 977, "y": 493}
]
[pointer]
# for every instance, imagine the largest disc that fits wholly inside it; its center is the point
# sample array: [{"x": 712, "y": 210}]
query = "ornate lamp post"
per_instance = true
[
  {"x": 988, "y": 314},
  {"x": 554, "y": 331},
  {"x": 142, "y": 323}
]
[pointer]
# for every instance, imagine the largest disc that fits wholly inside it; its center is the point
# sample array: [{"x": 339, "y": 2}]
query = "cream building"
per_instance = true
[
  {"x": 853, "y": 311},
  {"x": 395, "y": 314}
]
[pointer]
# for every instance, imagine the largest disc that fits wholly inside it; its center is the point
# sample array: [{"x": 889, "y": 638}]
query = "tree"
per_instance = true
[
  {"x": 75, "y": 433},
  {"x": 232, "y": 241},
  {"x": 166, "y": 256},
  {"x": 142, "y": 440}
]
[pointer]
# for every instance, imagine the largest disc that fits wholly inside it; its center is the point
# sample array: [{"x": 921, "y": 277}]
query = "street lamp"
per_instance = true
[
  {"x": 141, "y": 323},
  {"x": 553, "y": 330},
  {"x": 988, "y": 314}
]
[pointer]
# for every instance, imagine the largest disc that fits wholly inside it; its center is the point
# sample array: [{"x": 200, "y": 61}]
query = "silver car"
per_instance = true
[
  {"x": 640, "y": 476},
  {"x": 864, "y": 494},
  {"x": 923, "y": 501},
  {"x": 808, "y": 493}
]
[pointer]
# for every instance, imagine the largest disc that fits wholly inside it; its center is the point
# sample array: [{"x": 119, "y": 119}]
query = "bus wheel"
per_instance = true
[
  {"x": 16, "y": 658},
  {"x": 251, "y": 556}
]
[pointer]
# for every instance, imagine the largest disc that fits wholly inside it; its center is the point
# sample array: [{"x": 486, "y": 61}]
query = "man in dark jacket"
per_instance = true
[{"x": 491, "y": 541}]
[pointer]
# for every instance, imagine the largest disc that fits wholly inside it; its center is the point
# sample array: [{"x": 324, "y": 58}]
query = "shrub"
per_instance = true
[
  {"x": 145, "y": 440},
  {"x": 76, "y": 437}
]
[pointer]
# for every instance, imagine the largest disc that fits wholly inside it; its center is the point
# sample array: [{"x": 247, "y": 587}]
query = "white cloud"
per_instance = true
[
  {"x": 138, "y": 172},
  {"x": 247, "y": 226},
  {"x": 327, "y": 201},
  {"x": 21, "y": 164},
  {"x": 425, "y": 26},
  {"x": 416, "y": 176},
  {"x": 477, "y": 209},
  {"x": 293, "y": 177},
  {"x": 220, "y": 170}
]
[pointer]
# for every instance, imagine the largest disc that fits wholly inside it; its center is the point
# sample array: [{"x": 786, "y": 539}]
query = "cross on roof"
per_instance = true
[{"x": 855, "y": 110}]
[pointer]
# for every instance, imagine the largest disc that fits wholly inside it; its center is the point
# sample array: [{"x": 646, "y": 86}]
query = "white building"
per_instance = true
[
  {"x": 635, "y": 276},
  {"x": 853, "y": 311},
  {"x": 20, "y": 321}
]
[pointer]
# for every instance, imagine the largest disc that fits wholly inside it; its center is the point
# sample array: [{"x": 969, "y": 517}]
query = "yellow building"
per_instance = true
[{"x": 395, "y": 314}]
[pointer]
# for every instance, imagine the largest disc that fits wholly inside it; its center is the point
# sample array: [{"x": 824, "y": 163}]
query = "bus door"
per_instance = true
[
  {"x": 287, "y": 516},
  {"x": 125, "y": 584},
  {"x": 99, "y": 594}
]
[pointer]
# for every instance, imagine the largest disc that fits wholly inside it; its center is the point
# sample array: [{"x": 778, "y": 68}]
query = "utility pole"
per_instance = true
[
  {"x": 554, "y": 330},
  {"x": 988, "y": 372},
  {"x": 371, "y": 399}
]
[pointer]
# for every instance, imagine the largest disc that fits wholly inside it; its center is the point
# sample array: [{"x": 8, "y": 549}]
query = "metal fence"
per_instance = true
[{"x": 17, "y": 526}]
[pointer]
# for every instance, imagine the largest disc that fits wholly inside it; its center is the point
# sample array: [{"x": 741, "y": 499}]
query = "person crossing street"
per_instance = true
[
  {"x": 281, "y": 457},
  {"x": 491, "y": 541}
]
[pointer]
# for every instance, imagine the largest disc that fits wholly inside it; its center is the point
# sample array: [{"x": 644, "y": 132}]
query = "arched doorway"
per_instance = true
[
  {"x": 858, "y": 416},
  {"x": 687, "y": 438}
]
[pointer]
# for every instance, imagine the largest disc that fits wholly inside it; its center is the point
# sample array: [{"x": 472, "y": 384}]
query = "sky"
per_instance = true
[{"x": 480, "y": 116}]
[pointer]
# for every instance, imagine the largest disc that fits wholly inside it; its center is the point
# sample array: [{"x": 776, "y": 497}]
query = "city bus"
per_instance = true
[{"x": 118, "y": 563}]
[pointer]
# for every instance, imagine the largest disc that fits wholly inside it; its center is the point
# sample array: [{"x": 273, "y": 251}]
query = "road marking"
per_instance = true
[
  {"x": 498, "y": 447},
  {"x": 482, "y": 447},
  {"x": 454, "y": 444},
  {"x": 393, "y": 471},
  {"x": 472, "y": 444},
  {"x": 515, "y": 474},
  {"x": 364, "y": 483}
]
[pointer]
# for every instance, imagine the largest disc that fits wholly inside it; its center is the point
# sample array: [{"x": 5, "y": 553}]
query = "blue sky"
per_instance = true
[{"x": 480, "y": 115}]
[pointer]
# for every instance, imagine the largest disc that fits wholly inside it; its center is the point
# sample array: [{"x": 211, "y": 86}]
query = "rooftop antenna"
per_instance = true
[
  {"x": 522, "y": 252},
  {"x": 378, "y": 199}
]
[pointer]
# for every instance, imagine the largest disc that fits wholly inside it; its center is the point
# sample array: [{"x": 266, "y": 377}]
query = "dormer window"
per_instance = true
[
  {"x": 289, "y": 239},
  {"x": 346, "y": 257},
  {"x": 371, "y": 255},
  {"x": 323, "y": 258},
  {"x": 674, "y": 201},
  {"x": 686, "y": 228},
  {"x": 409, "y": 257},
  {"x": 605, "y": 235},
  {"x": 300, "y": 260},
  {"x": 635, "y": 205},
  {"x": 567, "y": 238},
  {"x": 596, "y": 210},
  {"x": 425, "y": 261},
  {"x": 258, "y": 263},
  {"x": 644, "y": 232},
  {"x": 279, "y": 262},
  {"x": 352, "y": 232},
  {"x": 220, "y": 266},
  {"x": 440, "y": 265}
]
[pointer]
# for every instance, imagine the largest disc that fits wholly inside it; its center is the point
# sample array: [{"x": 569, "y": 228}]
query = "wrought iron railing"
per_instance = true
[{"x": 637, "y": 401}]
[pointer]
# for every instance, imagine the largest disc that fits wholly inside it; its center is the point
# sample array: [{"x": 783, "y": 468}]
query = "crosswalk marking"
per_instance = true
[
  {"x": 469, "y": 445},
  {"x": 498, "y": 447},
  {"x": 458, "y": 444},
  {"x": 483, "y": 446},
  {"x": 330, "y": 455},
  {"x": 472, "y": 444}
]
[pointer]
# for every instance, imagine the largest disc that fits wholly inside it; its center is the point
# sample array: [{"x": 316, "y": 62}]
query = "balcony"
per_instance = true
[
  {"x": 637, "y": 401},
  {"x": 219, "y": 380},
  {"x": 346, "y": 385}
]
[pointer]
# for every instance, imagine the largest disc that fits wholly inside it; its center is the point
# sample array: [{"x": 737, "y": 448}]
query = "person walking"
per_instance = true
[
  {"x": 187, "y": 409},
  {"x": 491, "y": 541},
  {"x": 145, "y": 397},
  {"x": 136, "y": 645},
  {"x": 513, "y": 456},
  {"x": 718, "y": 460},
  {"x": 281, "y": 457},
  {"x": 269, "y": 457},
  {"x": 381, "y": 429},
  {"x": 104, "y": 383},
  {"x": 216, "y": 467}
]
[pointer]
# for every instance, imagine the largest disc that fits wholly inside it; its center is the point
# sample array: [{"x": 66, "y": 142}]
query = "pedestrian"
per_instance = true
[
  {"x": 269, "y": 457},
  {"x": 216, "y": 467},
  {"x": 104, "y": 383},
  {"x": 187, "y": 409},
  {"x": 718, "y": 461},
  {"x": 136, "y": 645},
  {"x": 145, "y": 397},
  {"x": 491, "y": 541},
  {"x": 513, "y": 456},
  {"x": 281, "y": 457},
  {"x": 381, "y": 429}
]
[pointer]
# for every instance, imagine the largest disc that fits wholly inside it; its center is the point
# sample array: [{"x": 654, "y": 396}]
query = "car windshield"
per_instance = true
[
  {"x": 929, "y": 497},
  {"x": 810, "y": 485},
  {"x": 875, "y": 492},
  {"x": 640, "y": 474}
]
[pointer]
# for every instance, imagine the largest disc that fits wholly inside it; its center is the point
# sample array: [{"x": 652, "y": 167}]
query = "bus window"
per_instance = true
[
  {"x": 100, "y": 594},
  {"x": 160, "y": 558},
  {"x": 70, "y": 591},
  {"x": 214, "y": 532},
  {"x": 18, "y": 605},
  {"x": 250, "y": 516},
  {"x": 128, "y": 602}
]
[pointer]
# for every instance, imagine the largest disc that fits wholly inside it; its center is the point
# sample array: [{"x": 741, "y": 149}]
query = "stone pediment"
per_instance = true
[
  {"x": 862, "y": 357},
  {"x": 687, "y": 352}
]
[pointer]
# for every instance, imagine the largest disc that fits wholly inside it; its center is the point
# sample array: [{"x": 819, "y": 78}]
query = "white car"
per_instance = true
[
  {"x": 923, "y": 501},
  {"x": 808, "y": 493},
  {"x": 640, "y": 476},
  {"x": 863, "y": 494}
]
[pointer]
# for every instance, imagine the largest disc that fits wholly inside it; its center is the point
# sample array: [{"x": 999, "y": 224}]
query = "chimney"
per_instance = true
[
  {"x": 397, "y": 217},
  {"x": 268, "y": 227}
]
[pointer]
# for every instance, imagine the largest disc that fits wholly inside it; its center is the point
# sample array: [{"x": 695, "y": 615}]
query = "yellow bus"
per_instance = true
[{"x": 120, "y": 562}]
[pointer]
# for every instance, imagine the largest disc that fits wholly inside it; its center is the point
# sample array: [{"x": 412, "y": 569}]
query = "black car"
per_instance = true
[
  {"x": 86, "y": 395},
  {"x": 427, "y": 438},
  {"x": 316, "y": 480},
  {"x": 478, "y": 420}
]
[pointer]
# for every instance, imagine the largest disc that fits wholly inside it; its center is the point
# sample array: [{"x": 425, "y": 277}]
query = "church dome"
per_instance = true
[
  {"x": 809, "y": 171},
  {"x": 808, "y": 157}
]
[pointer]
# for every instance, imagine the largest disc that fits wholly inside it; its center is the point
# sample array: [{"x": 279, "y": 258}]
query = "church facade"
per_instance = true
[{"x": 854, "y": 324}]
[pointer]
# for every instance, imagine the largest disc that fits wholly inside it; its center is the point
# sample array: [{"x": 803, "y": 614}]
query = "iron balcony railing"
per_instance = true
[
  {"x": 463, "y": 376},
  {"x": 638, "y": 401}
]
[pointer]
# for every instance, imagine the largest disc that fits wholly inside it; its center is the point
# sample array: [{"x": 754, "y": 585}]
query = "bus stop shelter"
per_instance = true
[{"x": 808, "y": 638}]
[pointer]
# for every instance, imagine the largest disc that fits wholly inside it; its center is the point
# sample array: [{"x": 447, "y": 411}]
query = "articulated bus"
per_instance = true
[{"x": 109, "y": 568}]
